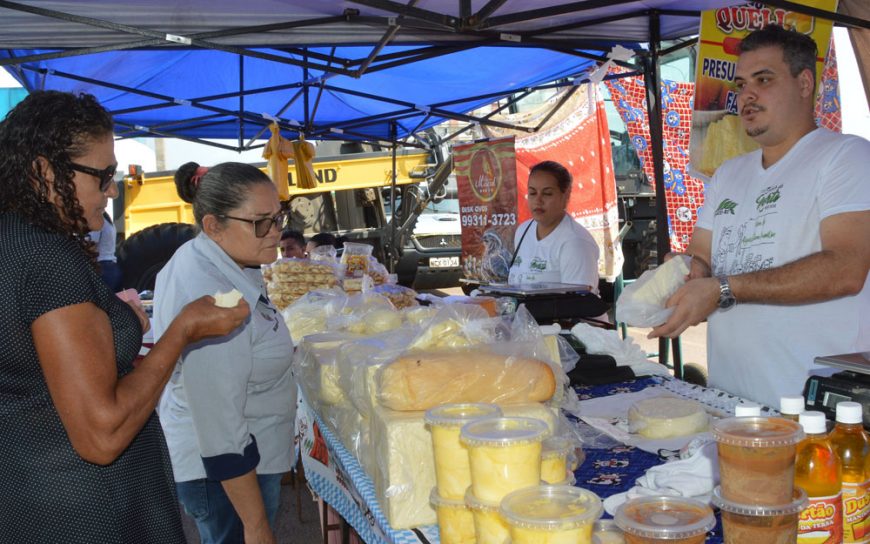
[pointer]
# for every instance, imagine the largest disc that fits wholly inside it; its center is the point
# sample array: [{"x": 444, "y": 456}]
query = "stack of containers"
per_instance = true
[
  {"x": 452, "y": 469},
  {"x": 757, "y": 495}
]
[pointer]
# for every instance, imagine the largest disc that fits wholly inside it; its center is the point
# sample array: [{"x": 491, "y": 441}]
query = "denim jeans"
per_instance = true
[{"x": 210, "y": 507}]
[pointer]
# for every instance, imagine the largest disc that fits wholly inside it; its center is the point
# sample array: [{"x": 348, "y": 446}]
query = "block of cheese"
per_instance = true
[
  {"x": 664, "y": 281},
  {"x": 666, "y": 417},
  {"x": 427, "y": 379},
  {"x": 227, "y": 300},
  {"x": 316, "y": 359},
  {"x": 403, "y": 470}
]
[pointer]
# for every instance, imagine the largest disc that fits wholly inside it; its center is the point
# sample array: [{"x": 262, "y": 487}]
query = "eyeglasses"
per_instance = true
[
  {"x": 263, "y": 226},
  {"x": 106, "y": 175}
]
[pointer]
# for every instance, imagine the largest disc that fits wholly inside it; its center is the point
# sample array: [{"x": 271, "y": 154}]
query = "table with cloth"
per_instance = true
[{"x": 337, "y": 477}]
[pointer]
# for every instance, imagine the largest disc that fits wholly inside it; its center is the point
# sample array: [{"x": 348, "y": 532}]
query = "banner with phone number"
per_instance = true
[
  {"x": 717, "y": 134},
  {"x": 486, "y": 177}
]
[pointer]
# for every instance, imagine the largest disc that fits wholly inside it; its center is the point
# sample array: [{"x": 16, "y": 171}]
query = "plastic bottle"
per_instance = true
[
  {"x": 852, "y": 446},
  {"x": 818, "y": 471},
  {"x": 791, "y": 406}
]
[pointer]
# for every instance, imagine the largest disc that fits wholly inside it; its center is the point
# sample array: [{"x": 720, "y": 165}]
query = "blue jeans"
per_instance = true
[{"x": 210, "y": 507}]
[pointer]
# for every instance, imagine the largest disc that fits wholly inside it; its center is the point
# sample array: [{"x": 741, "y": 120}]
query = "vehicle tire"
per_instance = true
[
  {"x": 694, "y": 373},
  {"x": 647, "y": 250},
  {"x": 143, "y": 255}
]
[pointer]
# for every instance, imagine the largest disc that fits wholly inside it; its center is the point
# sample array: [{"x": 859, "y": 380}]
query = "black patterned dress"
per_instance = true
[{"x": 48, "y": 494}]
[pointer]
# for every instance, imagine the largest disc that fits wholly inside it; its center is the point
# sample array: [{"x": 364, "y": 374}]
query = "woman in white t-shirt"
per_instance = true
[{"x": 552, "y": 247}]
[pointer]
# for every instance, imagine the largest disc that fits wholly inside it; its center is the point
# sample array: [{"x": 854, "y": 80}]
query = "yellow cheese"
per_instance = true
[
  {"x": 404, "y": 468},
  {"x": 666, "y": 417},
  {"x": 455, "y": 522},
  {"x": 554, "y": 469},
  {"x": 489, "y": 525},
  {"x": 496, "y": 471},
  {"x": 534, "y": 410},
  {"x": 572, "y": 535}
]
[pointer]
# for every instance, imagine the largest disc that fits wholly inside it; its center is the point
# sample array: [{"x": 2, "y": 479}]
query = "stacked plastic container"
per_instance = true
[{"x": 757, "y": 495}]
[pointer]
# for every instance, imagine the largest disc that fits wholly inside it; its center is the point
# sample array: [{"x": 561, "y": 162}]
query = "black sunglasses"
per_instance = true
[
  {"x": 263, "y": 226},
  {"x": 106, "y": 175}
]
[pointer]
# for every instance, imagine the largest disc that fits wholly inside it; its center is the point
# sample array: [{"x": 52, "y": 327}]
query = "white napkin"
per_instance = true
[
  {"x": 695, "y": 476},
  {"x": 624, "y": 350}
]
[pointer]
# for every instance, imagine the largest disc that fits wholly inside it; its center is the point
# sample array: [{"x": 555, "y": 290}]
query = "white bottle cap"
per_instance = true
[
  {"x": 747, "y": 409},
  {"x": 813, "y": 422},
  {"x": 849, "y": 412},
  {"x": 791, "y": 404}
]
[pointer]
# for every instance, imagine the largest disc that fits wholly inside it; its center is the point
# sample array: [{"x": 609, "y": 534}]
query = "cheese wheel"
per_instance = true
[
  {"x": 227, "y": 300},
  {"x": 429, "y": 379},
  {"x": 666, "y": 417}
]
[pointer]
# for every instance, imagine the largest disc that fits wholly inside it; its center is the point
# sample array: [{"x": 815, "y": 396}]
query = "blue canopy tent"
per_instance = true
[{"x": 368, "y": 70}]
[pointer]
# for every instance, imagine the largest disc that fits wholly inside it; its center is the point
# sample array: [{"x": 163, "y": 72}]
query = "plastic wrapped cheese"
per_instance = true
[
  {"x": 455, "y": 522},
  {"x": 666, "y": 417},
  {"x": 642, "y": 304},
  {"x": 316, "y": 367},
  {"x": 404, "y": 469}
]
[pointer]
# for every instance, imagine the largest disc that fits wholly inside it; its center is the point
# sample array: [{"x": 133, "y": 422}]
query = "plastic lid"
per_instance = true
[
  {"x": 437, "y": 501},
  {"x": 665, "y": 518},
  {"x": 795, "y": 506},
  {"x": 551, "y": 508},
  {"x": 461, "y": 413},
  {"x": 605, "y": 531},
  {"x": 757, "y": 432},
  {"x": 849, "y": 413},
  {"x": 503, "y": 431},
  {"x": 472, "y": 502},
  {"x": 555, "y": 446},
  {"x": 813, "y": 422},
  {"x": 791, "y": 404},
  {"x": 747, "y": 409}
]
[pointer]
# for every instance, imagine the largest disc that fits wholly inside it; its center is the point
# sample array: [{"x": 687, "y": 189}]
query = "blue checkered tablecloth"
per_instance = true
[{"x": 606, "y": 471}]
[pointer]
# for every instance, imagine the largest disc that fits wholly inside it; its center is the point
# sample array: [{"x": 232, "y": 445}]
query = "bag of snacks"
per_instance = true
[{"x": 355, "y": 259}]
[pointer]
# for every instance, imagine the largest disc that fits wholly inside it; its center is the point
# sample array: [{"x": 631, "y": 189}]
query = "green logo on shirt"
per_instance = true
[
  {"x": 538, "y": 265},
  {"x": 767, "y": 199},
  {"x": 726, "y": 206}
]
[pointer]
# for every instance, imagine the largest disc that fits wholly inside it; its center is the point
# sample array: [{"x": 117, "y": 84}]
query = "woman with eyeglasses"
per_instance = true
[
  {"x": 84, "y": 458},
  {"x": 229, "y": 408}
]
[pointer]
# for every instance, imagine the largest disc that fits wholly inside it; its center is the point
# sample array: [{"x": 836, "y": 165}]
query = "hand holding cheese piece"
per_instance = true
[
  {"x": 642, "y": 304},
  {"x": 427, "y": 379},
  {"x": 227, "y": 300}
]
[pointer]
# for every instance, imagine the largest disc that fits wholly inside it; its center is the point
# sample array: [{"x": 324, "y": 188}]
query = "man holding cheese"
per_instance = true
[{"x": 782, "y": 244}]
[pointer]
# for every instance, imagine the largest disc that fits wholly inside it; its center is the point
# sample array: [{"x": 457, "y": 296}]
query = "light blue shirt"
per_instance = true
[{"x": 226, "y": 390}]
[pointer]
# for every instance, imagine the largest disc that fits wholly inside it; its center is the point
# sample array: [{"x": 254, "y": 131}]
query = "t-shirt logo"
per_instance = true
[
  {"x": 538, "y": 265},
  {"x": 726, "y": 206},
  {"x": 768, "y": 197}
]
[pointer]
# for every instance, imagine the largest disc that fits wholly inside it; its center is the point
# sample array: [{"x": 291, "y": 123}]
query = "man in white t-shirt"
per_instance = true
[
  {"x": 552, "y": 247},
  {"x": 786, "y": 229}
]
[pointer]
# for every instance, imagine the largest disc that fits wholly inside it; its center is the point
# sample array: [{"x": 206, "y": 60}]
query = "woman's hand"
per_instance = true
[{"x": 202, "y": 318}]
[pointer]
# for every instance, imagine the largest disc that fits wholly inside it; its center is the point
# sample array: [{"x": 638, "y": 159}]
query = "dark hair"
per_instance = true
[
  {"x": 294, "y": 234},
  {"x": 799, "y": 51},
  {"x": 59, "y": 128},
  {"x": 323, "y": 239},
  {"x": 219, "y": 190},
  {"x": 562, "y": 175}
]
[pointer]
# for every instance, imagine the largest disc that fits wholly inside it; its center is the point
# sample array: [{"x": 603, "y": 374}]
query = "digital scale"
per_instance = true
[
  {"x": 822, "y": 393},
  {"x": 551, "y": 302}
]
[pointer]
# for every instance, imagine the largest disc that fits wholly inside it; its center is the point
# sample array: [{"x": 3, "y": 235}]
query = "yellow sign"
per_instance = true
[{"x": 717, "y": 134}]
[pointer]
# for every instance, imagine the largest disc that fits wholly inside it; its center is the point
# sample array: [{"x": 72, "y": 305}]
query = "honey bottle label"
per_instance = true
[
  {"x": 822, "y": 521},
  {"x": 856, "y": 513}
]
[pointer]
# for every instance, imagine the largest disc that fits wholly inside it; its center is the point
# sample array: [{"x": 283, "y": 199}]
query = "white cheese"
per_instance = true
[
  {"x": 666, "y": 417},
  {"x": 665, "y": 281},
  {"x": 227, "y": 300}
]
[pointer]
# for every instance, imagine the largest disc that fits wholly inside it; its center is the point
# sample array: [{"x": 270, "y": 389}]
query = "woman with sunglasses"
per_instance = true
[
  {"x": 84, "y": 458},
  {"x": 229, "y": 408}
]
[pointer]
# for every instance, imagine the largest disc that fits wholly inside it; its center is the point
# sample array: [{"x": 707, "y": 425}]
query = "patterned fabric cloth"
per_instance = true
[{"x": 49, "y": 494}]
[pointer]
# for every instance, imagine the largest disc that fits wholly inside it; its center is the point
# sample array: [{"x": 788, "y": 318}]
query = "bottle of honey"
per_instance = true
[
  {"x": 852, "y": 446},
  {"x": 818, "y": 471}
]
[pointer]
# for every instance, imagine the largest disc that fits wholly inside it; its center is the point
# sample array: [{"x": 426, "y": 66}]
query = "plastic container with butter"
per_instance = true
[
  {"x": 743, "y": 523},
  {"x": 452, "y": 471},
  {"x": 664, "y": 520},
  {"x": 489, "y": 526},
  {"x": 504, "y": 454},
  {"x": 455, "y": 522},
  {"x": 550, "y": 514},
  {"x": 554, "y": 459}
]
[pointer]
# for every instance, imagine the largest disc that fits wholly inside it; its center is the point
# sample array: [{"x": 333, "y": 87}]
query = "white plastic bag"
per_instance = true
[{"x": 642, "y": 304}]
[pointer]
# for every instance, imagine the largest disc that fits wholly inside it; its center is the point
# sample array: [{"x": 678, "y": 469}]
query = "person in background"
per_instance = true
[
  {"x": 551, "y": 247},
  {"x": 84, "y": 459},
  {"x": 781, "y": 250},
  {"x": 293, "y": 244},
  {"x": 229, "y": 408},
  {"x": 321, "y": 239},
  {"x": 105, "y": 240}
]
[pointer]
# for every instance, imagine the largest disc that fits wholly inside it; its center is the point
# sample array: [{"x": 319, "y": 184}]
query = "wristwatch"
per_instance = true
[{"x": 726, "y": 297}]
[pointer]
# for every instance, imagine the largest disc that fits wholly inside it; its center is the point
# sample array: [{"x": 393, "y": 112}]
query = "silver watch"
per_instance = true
[{"x": 726, "y": 297}]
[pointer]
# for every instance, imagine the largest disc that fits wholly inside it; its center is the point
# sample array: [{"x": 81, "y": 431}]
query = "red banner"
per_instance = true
[{"x": 486, "y": 179}]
